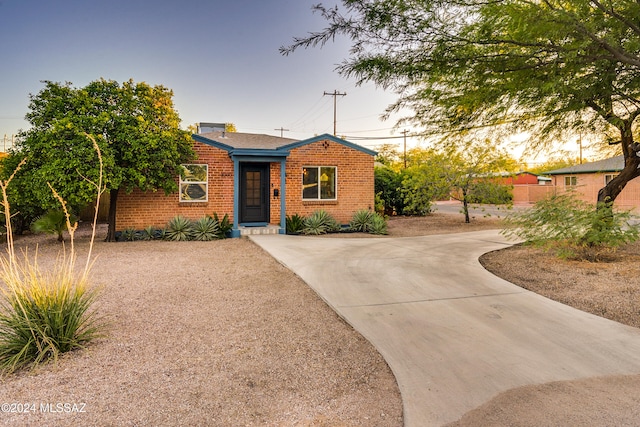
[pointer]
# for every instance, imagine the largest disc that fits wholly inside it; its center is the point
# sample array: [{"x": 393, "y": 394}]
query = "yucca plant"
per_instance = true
[
  {"x": 53, "y": 222},
  {"x": 295, "y": 224},
  {"x": 361, "y": 220},
  {"x": 320, "y": 222},
  {"x": 179, "y": 229},
  {"x": 205, "y": 229}
]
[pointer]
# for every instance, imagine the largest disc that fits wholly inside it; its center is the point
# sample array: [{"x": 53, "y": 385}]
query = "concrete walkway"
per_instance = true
[{"x": 453, "y": 334}]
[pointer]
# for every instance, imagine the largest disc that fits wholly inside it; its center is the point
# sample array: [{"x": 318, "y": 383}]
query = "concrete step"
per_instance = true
[{"x": 269, "y": 229}]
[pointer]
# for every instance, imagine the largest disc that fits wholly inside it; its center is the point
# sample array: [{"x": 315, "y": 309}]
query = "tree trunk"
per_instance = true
[
  {"x": 465, "y": 206},
  {"x": 609, "y": 193},
  {"x": 111, "y": 231}
]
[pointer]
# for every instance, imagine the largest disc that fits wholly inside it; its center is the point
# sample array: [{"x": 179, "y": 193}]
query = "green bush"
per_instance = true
[
  {"x": 205, "y": 229},
  {"x": 320, "y": 222},
  {"x": 179, "y": 229},
  {"x": 295, "y": 224},
  {"x": 487, "y": 192},
  {"x": 388, "y": 186},
  {"x": 572, "y": 228}
]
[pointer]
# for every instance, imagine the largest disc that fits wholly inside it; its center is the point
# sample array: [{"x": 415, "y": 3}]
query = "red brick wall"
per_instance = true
[
  {"x": 141, "y": 209},
  {"x": 354, "y": 180}
]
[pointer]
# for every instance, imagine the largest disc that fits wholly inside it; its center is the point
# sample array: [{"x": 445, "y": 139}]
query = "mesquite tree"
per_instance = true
[{"x": 551, "y": 67}]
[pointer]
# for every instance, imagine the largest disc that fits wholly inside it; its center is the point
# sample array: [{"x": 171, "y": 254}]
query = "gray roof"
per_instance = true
[
  {"x": 614, "y": 164},
  {"x": 248, "y": 140}
]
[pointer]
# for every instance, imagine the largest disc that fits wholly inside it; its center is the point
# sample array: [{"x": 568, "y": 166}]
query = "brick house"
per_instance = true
[
  {"x": 258, "y": 180},
  {"x": 588, "y": 178}
]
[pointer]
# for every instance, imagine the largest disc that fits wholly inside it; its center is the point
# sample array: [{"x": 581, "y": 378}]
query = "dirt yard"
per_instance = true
[{"x": 218, "y": 333}]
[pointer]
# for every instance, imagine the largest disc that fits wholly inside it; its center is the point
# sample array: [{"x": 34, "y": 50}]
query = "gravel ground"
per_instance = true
[
  {"x": 207, "y": 333},
  {"x": 220, "y": 334}
]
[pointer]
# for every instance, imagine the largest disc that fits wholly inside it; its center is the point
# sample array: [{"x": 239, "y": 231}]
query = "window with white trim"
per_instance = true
[
  {"x": 194, "y": 182},
  {"x": 570, "y": 181},
  {"x": 608, "y": 178},
  {"x": 319, "y": 182}
]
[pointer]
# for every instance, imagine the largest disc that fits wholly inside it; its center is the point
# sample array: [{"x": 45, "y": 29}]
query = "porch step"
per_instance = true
[{"x": 268, "y": 229}]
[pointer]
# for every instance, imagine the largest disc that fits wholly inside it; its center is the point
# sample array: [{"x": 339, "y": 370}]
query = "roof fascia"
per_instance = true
[{"x": 331, "y": 138}]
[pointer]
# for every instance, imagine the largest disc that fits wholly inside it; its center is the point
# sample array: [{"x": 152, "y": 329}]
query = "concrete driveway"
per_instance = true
[{"x": 453, "y": 334}]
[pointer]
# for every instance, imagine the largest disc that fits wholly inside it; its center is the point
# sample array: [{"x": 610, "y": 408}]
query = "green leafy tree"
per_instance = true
[
  {"x": 552, "y": 68},
  {"x": 471, "y": 174},
  {"x": 135, "y": 125}
]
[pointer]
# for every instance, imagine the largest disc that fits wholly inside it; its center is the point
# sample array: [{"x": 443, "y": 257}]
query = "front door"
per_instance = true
[{"x": 254, "y": 192}]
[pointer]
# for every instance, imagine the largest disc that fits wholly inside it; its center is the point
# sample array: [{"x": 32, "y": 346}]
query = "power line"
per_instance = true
[{"x": 282, "y": 130}]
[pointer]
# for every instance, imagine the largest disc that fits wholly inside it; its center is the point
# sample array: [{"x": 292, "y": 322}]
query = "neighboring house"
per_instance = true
[
  {"x": 258, "y": 180},
  {"x": 588, "y": 178}
]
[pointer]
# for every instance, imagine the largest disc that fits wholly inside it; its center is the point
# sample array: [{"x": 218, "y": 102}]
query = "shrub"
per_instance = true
[
  {"x": 205, "y": 229},
  {"x": 295, "y": 224},
  {"x": 128, "y": 235},
  {"x": 361, "y": 220},
  {"x": 179, "y": 229},
  {"x": 320, "y": 222},
  {"x": 53, "y": 222},
  {"x": 572, "y": 228}
]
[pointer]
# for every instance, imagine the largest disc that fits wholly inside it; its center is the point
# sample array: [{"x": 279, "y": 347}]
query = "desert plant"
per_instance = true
[
  {"x": 294, "y": 224},
  {"x": 179, "y": 229},
  {"x": 205, "y": 229},
  {"x": 53, "y": 222},
  {"x": 45, "y": 312},
  {"x": 128, "y": 235},
  {"x": 148, "y": 233},
  {"x": 361, "y": 220},
  {"x": 377, "y": 224},
  {"x": 224, "y": 225},
  {"x": 320, "y": 222},
  {"x": 572, "y": 228}
]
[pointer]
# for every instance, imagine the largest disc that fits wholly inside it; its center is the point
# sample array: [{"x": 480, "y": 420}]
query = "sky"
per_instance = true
[{"x": 220, "y": 58}]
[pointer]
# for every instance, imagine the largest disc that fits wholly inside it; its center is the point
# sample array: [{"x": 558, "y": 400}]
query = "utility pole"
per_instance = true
[
  {"x": 282, "y": 130},
  {"x": 404, "y": 132},
  {"x": 335, "y": 95}
]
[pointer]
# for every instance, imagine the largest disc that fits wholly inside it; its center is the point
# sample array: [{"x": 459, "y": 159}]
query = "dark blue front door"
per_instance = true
[{"x": 254, "y": 192}]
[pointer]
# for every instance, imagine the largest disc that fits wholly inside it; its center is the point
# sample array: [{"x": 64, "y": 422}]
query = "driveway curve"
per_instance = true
[{"x": 454, "y": 335}]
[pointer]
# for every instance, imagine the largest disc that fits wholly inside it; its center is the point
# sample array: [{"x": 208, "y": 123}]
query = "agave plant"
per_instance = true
[
  {"x": 179, "y": 229},
  {"x": 361, "y": 220},
  {"x": 378, "y": 225},
  {"x": 53, "y": 222},
  {"x": 320, "y": 222},
  {"x": 205, "y": 229},
  {"x": 149, "y": 233}
]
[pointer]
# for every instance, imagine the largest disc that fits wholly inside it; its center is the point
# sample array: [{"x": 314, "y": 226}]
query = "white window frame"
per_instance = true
[
  {"x": 185, "y": 183},
  {"x": 335, "y": 186},
  {"x": 608, "y": 177},
  {"x": 570, "y": 181}
]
